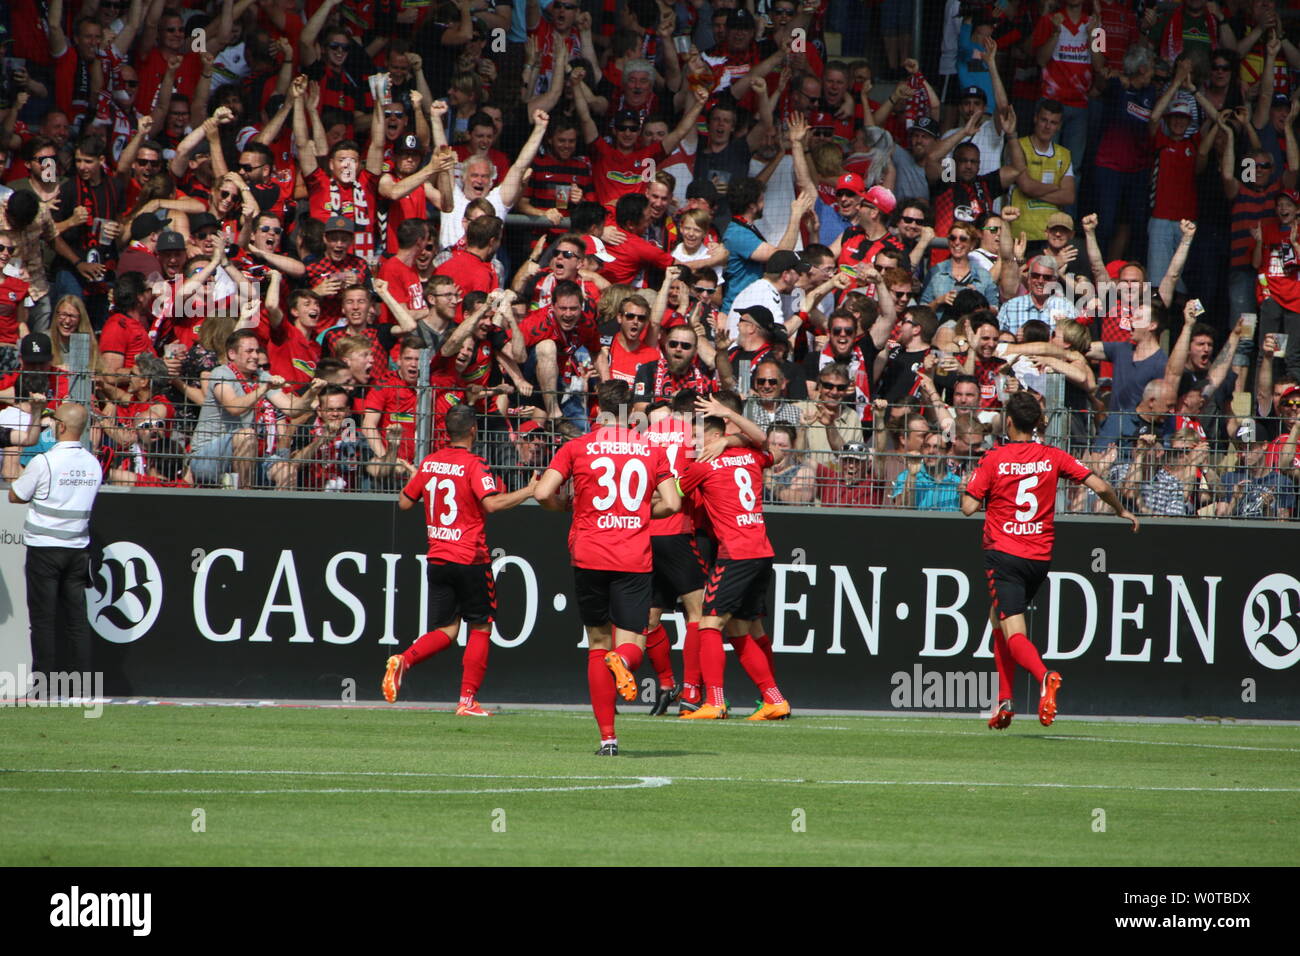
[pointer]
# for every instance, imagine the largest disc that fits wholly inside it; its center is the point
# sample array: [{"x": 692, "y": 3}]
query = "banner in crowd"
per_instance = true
[{"x": 305, "y": 597}]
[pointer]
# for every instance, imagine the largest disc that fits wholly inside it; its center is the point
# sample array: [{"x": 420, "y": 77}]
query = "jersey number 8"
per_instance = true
[{"x": 745, "y": 484}]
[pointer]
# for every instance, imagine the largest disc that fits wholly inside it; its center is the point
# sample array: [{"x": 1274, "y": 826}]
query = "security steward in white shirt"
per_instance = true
[{"x": 61, "y": 486}]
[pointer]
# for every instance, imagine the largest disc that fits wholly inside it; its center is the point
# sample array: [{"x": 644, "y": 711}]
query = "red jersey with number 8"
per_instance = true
[
  {"x": 1017, "y": 482},
  {"x": 615, "y": 471},
  {"x": 453, "y": 482},
  {"x": 731, "y": 489}
]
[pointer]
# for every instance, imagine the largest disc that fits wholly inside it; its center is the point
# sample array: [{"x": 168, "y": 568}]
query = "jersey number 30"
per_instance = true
[{"x": 630, "y": 486}]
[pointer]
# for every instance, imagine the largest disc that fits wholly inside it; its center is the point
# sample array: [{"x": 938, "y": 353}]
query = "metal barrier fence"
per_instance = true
[{"x": 1209, "y": 466}]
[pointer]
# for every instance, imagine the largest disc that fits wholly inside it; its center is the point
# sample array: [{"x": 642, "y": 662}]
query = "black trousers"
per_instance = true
[{"x": 56, "y": 608}]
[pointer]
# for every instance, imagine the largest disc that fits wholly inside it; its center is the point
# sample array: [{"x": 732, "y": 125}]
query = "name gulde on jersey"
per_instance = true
[{"x": 1018, "y": 482}]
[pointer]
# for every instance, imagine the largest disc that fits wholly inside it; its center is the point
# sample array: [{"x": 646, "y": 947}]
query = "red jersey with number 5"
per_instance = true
[
  {"x": 615, "y": 471},
  {"x": 731, "y": 490},
  {"x": 1017, "y": 482},
  {"x": 453, "y": 482}
]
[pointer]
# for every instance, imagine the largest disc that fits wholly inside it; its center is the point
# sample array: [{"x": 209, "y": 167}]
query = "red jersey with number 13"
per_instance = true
[
  {"x": 453, "y": 482},
  {"x": 731, "y": 489},
  {"x": 615, "y": 471},
  {"x": 1017, "y": 482}
]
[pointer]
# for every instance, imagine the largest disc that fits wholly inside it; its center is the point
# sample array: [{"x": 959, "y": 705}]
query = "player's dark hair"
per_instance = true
[
  {"x": 460, "y": 421},
  {"x": 712, "y": 423},
  {"x": 731, "y": 400},
  {"x": 1024, "y": 411},
  {"x": 1036, "y": 330},
  {"x": 613, "y": 396},
  {"x": 683, "y": 400}
]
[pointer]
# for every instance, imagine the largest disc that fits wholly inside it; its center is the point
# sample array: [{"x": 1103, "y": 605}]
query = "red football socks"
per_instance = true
[
  {"x": 765, "y": 642},
  {"x": 1006, "y": 666},
  {"x": 713, "y": 664},
  {"x": 600, "y": 683},
  {"x": 751, "y": 657},
  {"x": 657, "y": 647},
  {"x": 474, "y": 663},
  {"x": 691, "y": 676},
  {"x": 426, "y": 645},
  {"x": 631, "y": 654},
  {"x": 1026, "y": 656}
]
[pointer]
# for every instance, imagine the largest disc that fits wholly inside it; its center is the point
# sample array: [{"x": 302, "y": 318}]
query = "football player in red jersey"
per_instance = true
[
  {"x": 1016, "y": 484},
  {"x": 616, "y": 473},
  {"x": 459, "y": 492},
  {"x": 730, "y": 489}
]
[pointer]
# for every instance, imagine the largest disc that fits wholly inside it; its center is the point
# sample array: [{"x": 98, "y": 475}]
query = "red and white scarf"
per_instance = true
[
  {"x": 695, "y": 379},
  {"x": 267, "y": 415}
]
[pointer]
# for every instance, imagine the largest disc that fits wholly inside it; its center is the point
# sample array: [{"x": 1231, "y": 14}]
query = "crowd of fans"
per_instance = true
[{"x": 265, "y": 217}]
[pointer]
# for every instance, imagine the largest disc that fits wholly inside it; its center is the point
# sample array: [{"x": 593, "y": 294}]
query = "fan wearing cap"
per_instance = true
[
  {"x": 1255, "y": 488},
  {"x": 870, "y": 235},
  {"x": 618, "y": 164},
  {"x": 13, "y": 311},
  {"x": 140, "y": 256},
  {"x": 1179, "y": 160},
  {"x": 338, "y": 269},
  {"x": 409, "y": 188},
  {"x": 850, "y": 484},
  {"x": 981, "y": 83},
  {"x": 347, "y": 190},
  {"x": 780, "y": 276}
]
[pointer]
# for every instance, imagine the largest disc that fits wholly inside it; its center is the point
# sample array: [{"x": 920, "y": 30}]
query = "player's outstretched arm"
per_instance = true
[
  {"x": 1107, "y": 494},
  {"x": 667, "y": 500},
  {"x": 494, "y": 503},
  {"x": 547, "y": 491}
]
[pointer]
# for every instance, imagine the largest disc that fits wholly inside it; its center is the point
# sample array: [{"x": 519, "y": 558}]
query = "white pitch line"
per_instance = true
[
  {"x": 313, "y": 773},
  {"x": 643, "y": 783}
]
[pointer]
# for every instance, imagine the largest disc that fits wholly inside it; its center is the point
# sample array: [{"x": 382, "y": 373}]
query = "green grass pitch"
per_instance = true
[{"x": 287, "y": 786}]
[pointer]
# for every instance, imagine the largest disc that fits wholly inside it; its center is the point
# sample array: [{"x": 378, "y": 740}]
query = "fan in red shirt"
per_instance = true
[
  {"x": 172, "y": 40},
  {"x": 399, "y": 271},
  {"x": 347, "y": 190},
  {"x": 1016, "y": 484},
  {"x": 633, "y": 257},
  {"x": 464, "y": 360},
  {"x": 458, "y": 492},
  {"x": 291, "y": 345},
  {"x": 471, "y": 267},
  {"x": 340, "y": 268},
  {"x": 615, "y": 474},
  {"x": 625, "y": 166},
  {"x": 394, "y": 407},
  {"x": 730, "y": 490},
  {"x": 632, "y": 346},
  {"x": 124, "y": 335},
  {"x": 554, "y": 335}
]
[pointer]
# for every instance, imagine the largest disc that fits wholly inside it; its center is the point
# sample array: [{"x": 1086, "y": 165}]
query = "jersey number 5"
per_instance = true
[
  {"x": 630, "y": 486},
  {"x": 1026, "y": 498}
]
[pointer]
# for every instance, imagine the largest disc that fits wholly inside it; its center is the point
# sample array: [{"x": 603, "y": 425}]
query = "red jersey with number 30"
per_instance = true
[
  {"x": 1017, "y": 482},
  {"x": 676, "y": 438},
  {"x": 615, "y": 471},
  {"x": 453, "y": 482},
  {"x": 731, "y": 489}
]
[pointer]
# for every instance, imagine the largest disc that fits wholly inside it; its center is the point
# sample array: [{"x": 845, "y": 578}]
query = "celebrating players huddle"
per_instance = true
[{"x": 667, "y": 513}]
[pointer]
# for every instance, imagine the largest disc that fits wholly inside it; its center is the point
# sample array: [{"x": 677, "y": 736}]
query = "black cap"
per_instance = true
[
  {"x": 926, "y": 125},
  {"x": 147, "y": 225},
  {"x": 780, "y": 261},
  {"x": 740, "y": 19},
  {"x": 974, "y": 92},
  {"x": 703, "y": 189},
  {"x": 35, "y": 347},
  {"x": 170, "y": 242},
  {"x": 408, "y": 144},
  {"x": 203, "y": 220},
  {"x": 761, "y": 316},
  {"x": 339, "y": 224},
  {"x": 626, "y": 116}
]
